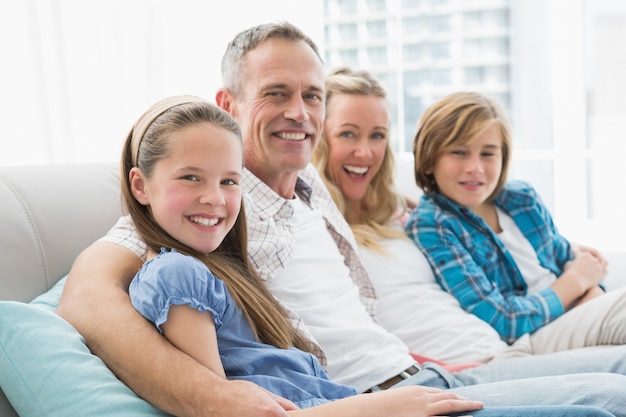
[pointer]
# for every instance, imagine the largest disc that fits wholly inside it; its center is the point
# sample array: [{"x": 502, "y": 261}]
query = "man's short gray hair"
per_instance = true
[{"x": 234, "y": 60}]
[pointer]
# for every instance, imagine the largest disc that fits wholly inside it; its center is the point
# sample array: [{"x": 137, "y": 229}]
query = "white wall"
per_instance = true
[{"x": 76, "y": 74}]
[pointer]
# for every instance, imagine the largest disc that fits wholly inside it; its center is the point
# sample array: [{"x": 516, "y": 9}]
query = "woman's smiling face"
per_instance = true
[{"x": 356, "y": 130}]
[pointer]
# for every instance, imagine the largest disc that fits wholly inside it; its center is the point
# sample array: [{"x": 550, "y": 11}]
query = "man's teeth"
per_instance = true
[
  {"x": 292, "y": 136},
  {"x": 356, "y": 170},
  {"x": 203, "y": 221}
]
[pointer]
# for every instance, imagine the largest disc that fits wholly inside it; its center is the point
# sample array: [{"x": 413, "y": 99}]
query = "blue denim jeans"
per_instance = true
[
  {"x": 592, "y": 377},
  {"x": 539, "y": 411}
]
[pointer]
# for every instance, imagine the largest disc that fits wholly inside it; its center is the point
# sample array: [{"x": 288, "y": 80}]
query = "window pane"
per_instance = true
[
  {"x": 440, "y": 50},
  {"x": 414, "y": 79},
  {"x": 377, "y": 56},
  {"x": 485, "y": 19},
  {"x": 439, "y": 3},
  {"x": 475, "y": 75},
  {"x": 440, "y": 24},
  {"x": 376, "y": 5},
  {"x": 412, "y": 4},
  {"x": 347, "y": 7},
  {"x": 486, "y": 47},
  {"x": 472, "y": 20},
  {"x": 413, "y": 53},
  {"x": 377, "y": 29},
  {"x": 349, "y": 57},
  {"x": 413, "y": 26},
  {"x": 441, "y": 77},
  {"x": 348, "y": 32}
]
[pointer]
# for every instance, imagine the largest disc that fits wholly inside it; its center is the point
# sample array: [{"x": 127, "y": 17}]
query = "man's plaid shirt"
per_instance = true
[{"x": 271, "y": 235}]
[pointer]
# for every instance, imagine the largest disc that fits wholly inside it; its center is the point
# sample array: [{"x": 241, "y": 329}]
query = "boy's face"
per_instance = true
[{"x": 468, "y": 174}]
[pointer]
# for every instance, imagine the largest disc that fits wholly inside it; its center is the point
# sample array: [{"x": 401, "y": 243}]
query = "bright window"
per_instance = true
[{"x": 557, "y": 67}]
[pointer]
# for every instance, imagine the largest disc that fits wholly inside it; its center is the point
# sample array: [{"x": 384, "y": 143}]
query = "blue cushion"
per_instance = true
[
  {"x": 50, "y": 298},
  {"x": 47, "y": 370}
]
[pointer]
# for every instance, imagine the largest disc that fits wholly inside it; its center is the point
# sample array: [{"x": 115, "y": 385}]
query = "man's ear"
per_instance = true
[
  {"x": 225, "y": 100},
  {"x": 138, "y": 186}
]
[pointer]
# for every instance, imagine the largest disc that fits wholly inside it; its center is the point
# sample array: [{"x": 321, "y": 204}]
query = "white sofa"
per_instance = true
[{"x": 49, "y": 214}]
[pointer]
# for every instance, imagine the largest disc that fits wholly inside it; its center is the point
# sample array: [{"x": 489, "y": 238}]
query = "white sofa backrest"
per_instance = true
[
  {"x": 405, "y": 176},
  {"x": 50, "y": 213}
]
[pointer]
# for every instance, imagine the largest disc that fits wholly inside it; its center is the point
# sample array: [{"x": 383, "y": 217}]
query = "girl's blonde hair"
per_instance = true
[
  {"x": 453, "y": 121},
  {"x": 146, "y": 144},
  {"x": 381, "y": 201}
]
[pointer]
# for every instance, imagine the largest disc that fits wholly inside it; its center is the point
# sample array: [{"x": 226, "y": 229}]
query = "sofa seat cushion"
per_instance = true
[{"x": 47, "y": 370}]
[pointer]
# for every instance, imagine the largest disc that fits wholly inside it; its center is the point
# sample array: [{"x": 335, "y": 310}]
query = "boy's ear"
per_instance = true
[{"x": 138, "y": 186}]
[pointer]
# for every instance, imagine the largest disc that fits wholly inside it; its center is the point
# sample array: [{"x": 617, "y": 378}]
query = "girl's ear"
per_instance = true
[{"x": 138, "y": 186}]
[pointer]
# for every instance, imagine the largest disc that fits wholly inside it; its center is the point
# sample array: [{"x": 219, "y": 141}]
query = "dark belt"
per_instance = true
[{"x": 411, "y": 370}]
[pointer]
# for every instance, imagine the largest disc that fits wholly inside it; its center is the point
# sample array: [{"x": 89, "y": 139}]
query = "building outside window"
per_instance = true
[{"x": 556, "y": 66}]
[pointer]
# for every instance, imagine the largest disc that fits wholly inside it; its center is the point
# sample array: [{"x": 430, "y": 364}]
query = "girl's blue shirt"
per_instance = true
[{"x": 172, "y": 278}]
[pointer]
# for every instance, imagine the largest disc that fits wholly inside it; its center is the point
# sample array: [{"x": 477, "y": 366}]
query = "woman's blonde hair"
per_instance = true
[
  {"x": 229, "y": 262},
  {"x": 452, "y": 121},
  {"x": 381, "y": 201}
]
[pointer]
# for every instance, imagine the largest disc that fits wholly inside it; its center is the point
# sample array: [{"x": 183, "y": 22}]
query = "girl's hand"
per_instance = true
[
  {"x": 411, "y": 401},
  {"x": 417, "y": 401}
]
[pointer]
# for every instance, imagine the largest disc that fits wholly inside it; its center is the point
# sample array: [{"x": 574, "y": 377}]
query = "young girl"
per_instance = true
[
  {"x": 493, "y": 244},
  {"x": 182, "y": 166}
]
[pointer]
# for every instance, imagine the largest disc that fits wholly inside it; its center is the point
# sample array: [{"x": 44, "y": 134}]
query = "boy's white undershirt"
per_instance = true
[{"x": 537, "y": 277}]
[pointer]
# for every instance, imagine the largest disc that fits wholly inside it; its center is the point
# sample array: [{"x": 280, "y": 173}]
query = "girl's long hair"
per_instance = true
[{"x": 229, "y": 262}]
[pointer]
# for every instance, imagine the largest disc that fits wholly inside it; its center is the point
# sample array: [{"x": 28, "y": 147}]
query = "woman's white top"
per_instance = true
[{"x": 413, "y": 307}]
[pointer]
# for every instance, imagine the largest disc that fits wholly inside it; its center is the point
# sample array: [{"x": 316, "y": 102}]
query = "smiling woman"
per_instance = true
[{"x": 85, "y": 69}]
